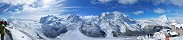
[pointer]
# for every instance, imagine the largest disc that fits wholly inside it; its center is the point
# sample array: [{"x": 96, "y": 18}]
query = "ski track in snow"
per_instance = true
[
  {"x": 17, "y": 35},
  {"x": 26, "y": 34}
]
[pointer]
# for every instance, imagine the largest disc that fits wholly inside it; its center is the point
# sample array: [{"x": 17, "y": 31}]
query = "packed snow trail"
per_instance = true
[
  {"x": 22, "y": 31},
  {"x": 17, "y": 35},
  {"x": 27, "y": 34}
]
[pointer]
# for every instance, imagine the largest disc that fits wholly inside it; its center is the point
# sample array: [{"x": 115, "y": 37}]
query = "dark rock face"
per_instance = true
[
  {"x": 116, "y": 34},
  {"x": 54, "y": 30},
  {"x": 149, "y": 30},
  {"x": 119, "y": 25},
  {"x": 52, "y": 27},
  {"x": 116, "y": 30},
  {"x": 92, "y": 30},
  {"x": 48, "y": 19},
  {"x": 152, "y": 29}
]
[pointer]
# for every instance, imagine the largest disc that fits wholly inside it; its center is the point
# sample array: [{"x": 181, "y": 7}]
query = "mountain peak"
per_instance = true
[
  {"x": 164, "y": 17},
  {"x": 112, "y": 15},
  {"x": 49, "y": 18},
  {"x": 73, "y": 18},
  {"x": 69, "y": 16}
]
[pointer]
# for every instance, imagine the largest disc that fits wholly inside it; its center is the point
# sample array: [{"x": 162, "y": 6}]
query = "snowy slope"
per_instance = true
[
  {"x": 17, "y": 35},
  {"x": 107, "y": 26}
]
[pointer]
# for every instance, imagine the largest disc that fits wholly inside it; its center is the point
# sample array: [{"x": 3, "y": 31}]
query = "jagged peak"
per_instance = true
[
  {"x": 112, "y": 14},
  {"x": 116, "y": 15},
  {"x": 72, "y": 16},
  {"x": 163, "y": 17},
  {"x": 48, "y": 19}
]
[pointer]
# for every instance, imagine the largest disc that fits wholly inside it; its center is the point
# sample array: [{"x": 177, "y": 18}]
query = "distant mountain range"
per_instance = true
[{"x": 106, "y": 25}]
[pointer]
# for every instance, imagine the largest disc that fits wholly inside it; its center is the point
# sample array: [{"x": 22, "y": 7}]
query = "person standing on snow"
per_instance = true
[{"x": 3, "y": 24}]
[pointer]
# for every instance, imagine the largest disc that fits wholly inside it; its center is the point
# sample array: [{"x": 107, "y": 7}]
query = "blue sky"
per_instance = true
[
  {"x": 86, "y": 7},
  {"x": 134, "y": 8}
]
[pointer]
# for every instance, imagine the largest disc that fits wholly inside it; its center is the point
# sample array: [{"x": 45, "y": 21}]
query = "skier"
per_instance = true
[{"x": 3, "y": 24}]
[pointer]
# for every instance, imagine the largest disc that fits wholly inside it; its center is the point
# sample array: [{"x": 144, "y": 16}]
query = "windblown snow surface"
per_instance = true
[{"x": 107, "y": 26}]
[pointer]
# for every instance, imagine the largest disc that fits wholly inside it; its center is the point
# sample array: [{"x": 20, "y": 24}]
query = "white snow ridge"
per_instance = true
[{"x": 107, "y": 26}]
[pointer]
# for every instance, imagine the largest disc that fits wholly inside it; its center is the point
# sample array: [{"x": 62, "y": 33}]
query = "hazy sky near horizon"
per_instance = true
[{"x": 134, "y": 8}]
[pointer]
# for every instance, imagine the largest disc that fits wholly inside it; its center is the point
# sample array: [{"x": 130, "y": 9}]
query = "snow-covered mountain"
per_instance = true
[{"x": 74, "y": 27}]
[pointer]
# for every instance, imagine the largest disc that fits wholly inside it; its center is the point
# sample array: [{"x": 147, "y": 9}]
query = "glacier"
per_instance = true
[{"x": 107, "y": 26}]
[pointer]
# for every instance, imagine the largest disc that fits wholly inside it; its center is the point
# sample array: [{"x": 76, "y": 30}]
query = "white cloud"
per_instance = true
[
  {"x": 35, "y": 13},
  {"x": 138, "y": 12},
  {"x": 157, "y": 2},
  {"x": 73, "y": 7},
  {"x": 159, "y": 11},
  {"x": 101, "y": 1},
  {"x": 16, "y": 2},
  {"x": 177, "y": 2},
  {"x": 52, "y": 7},
  {"x": 127, "y": 1},
  {"x": 174, "y": 2},
  {"x": 105, "y": 1}
]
